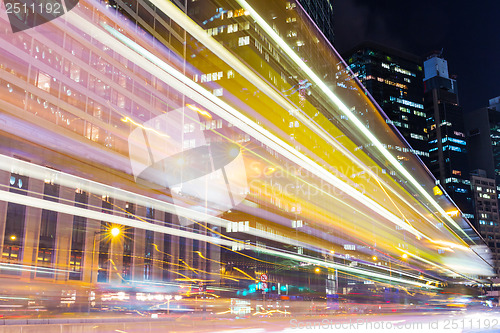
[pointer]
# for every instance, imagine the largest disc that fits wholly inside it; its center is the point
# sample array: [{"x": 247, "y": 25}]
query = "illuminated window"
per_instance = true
[
  {"x": 243, "y": 41},
  {"x": 75, "y": 265},
  {"x": 43, "y": 81},
  {"x": 242, "y": 226},
  {"x": 232, "y": 28},
  {"x": 218, "y": 92}
]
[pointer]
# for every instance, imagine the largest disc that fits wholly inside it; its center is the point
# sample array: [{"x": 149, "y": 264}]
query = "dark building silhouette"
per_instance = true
[
  {"x": 485, "y": 202},
  {"x": 394, "y": 79},
  {"x": 448, "y": 159},
  {"x": 483, "y": 131},
  {"x": 483, "y": 138},
  {"x": 321, "y": 12}
]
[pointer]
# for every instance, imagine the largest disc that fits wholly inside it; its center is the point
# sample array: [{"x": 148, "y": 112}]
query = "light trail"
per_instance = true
[
  {"x": 201, "y": 35},
  {"x": 394, "y": 217},
  {"x": 130, "y": 120},
  {"x": 298, "y": 61},
  {"x": 77, "y": 211},
  {"x": 239, "y": 120},
  {"x": 256, "y": 131}
]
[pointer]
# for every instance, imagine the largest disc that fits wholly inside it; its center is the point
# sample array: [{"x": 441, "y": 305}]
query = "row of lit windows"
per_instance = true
[
  {"x": 388, "y": 82},
  {"x": 399, "y": 148},
  {"x": 491, "y": 223},
  {"x": 242, "y": 41},
  {"x": 397, "y": 123},
  {"x": 457, "y": 141},
  {"x": 453, "y": 148},
  {"x": 243, "y": 226},
  {"x": 216, "y": 76},
  {"x": 417, "y": 136},
  {"x": 50, "y": 112},
  {"x": 406, "y": 102},
  {"x": 488, "y": 190},
  {"x": 229, "y": 28},
  {"x": 398, "y": 69},
  {"x": 455, "y": 180}
]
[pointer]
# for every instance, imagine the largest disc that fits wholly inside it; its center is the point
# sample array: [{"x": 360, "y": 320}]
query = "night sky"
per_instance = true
[{"x": 467, "y": 31}]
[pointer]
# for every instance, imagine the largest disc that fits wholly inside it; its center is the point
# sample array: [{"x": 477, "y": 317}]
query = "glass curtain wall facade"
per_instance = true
[
  {"x": 448, "y": 152},
  {"x": 395, "y": 80}
]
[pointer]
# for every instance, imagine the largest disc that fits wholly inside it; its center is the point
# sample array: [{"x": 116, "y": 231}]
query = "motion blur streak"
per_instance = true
[
  {"x": 346, "y": 110},
  {"x": 213, "y": 45}
]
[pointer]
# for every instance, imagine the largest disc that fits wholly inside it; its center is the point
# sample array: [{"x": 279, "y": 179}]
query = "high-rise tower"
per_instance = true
[
  {"x": 445, "y": 125},
  {"x": 394, "y": 79},
  {"x": 321, "y": 12}
]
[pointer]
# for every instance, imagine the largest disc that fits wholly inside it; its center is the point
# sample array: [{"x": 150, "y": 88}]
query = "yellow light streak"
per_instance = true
[
  {"x": 235, "y": 117},
  {"x": 351, "y": 116},
  {"x": 200, "y": 111},
  {"x": 352, "y": 192},
  {"x": 239, "y": 270},
  {"x": 231, "y": 60},
  {"x": 451, "y": 245},
  {"x": 129, "y": 120}
]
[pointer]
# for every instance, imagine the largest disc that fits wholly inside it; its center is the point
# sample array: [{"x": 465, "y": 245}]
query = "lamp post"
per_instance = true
[
  {"x": 113, "y": 233},
  {"x": 168, "y": 297}
]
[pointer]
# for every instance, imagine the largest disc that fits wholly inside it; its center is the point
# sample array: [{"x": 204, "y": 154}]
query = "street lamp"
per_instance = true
[
  {"x": 113, "y": 233},
  {"x": 168, "y": 297}
]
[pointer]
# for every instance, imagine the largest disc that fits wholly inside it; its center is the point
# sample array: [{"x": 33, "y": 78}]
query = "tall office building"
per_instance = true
[
  {"x": 483, "y": 138},
  {"x": 485, "y": 202},
  {"x": 483, "y": 135},
  {"x": 71, "y": 105},
  {"x": 448, "y": 159},
  {"x": 495, "y": 103},
  {"x": 394, "y": 80},
  {"x": 321, "y": 12}
]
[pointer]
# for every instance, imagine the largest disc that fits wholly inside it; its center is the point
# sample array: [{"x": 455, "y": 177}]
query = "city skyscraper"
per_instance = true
[
  {"x": 447, "y": 146},
  {"x": 485, "y": 202},
  {"x": 394, "y": 80},
  {"x": 483, "y": 135},
  {"x": 483, "y": 139},
  {"x": 321, "y": 12}
]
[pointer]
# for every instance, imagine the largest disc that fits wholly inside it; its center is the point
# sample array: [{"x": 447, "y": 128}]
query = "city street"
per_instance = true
[{"x": 453, "y": 322}]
